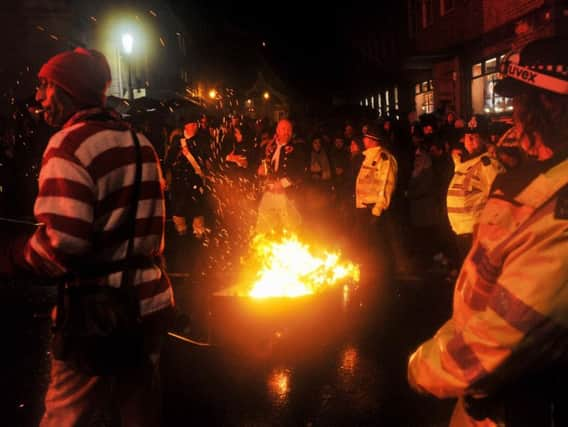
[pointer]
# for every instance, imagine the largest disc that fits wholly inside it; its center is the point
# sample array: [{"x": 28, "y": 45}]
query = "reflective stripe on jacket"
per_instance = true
[{"x": 510, "y": 309}]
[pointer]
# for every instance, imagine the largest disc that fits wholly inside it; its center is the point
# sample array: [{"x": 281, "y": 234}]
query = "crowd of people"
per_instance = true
[
  {"x": 216, "y": 174},
  {"x": 401, "y": 195},
  {"x": 436, "y": 177}
]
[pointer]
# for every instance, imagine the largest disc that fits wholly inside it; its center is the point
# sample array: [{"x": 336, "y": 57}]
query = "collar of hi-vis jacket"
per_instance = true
[
  {"x": 466, "y": 164},
  {"x": 373, "y": 152}
]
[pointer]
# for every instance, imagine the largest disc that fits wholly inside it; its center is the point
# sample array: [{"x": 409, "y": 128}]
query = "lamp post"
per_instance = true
[{"x": 127, "y": 44}]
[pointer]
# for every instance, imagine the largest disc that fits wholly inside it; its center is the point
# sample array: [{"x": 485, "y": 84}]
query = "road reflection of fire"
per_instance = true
[
  {"x": 346, "y": 296},
  {"x": 279, "y": 385},
  {"x": 288, "y": 268},
  {"x": 348, "y": 367}
]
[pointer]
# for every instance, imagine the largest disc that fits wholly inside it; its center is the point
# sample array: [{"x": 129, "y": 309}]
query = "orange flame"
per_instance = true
[{"x": 288, "y": 268}]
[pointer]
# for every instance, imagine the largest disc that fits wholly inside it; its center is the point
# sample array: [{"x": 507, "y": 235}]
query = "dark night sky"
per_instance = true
[{"x": 307, "y": 45}]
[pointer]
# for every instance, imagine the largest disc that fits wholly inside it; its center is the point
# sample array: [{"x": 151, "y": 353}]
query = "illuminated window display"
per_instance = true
[{"x": 484, "y": 100}]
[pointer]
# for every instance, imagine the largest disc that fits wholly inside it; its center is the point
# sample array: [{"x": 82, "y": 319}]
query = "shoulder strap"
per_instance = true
[
  {"x": 187, "y": 153},
  {"x": 131, "y": 221}
]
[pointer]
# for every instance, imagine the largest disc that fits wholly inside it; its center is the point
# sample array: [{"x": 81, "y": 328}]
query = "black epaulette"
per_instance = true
[
  {"x": 485, "y": 160},
  {"x": 384, "y": 156},
  {"x": 561, "y": 209}
]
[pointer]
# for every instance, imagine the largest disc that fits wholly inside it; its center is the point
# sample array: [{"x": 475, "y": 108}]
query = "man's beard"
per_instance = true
[{"x": 54, "y": 117}]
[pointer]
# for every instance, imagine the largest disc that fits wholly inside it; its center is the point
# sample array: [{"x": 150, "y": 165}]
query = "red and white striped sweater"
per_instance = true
[{"x": 85, "y": 189}]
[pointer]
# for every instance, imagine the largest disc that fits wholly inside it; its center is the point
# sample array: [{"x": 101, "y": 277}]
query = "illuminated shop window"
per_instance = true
[
  {"x": 373, "y": 102},
  {"x": 380, "y": 104},
  {"x": 395, "y": 92},
  {"x": 484, "y": 99},
  {"x": 424, "y": 98},
  {"x": 477, "y": 70},
  {"x": 491, "y": 65}
]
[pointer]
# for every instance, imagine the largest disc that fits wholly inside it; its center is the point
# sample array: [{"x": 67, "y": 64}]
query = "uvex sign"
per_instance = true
[
  {"x": 534, "y": 78},
  {"x": 521, "y": 73}
]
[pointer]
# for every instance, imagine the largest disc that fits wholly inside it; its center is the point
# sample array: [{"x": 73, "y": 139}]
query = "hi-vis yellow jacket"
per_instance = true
[
  {"x": 510, "y": 310},
  {"x": 469, "y": 190},
  {"x": 376, "y": 180}
]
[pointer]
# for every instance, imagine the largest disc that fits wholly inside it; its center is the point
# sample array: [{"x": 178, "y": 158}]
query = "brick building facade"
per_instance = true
[{"x": 453, "y": 48}]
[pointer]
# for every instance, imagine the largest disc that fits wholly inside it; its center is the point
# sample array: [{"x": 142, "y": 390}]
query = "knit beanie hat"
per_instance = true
[{"x": 83, "y": 73}]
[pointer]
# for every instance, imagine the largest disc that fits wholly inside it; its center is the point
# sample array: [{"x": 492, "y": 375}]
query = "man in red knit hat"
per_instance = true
[{"x": 89, "y": 204}]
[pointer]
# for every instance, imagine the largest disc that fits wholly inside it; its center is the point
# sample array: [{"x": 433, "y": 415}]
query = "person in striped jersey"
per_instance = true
[{"x": 85, "y": 192}]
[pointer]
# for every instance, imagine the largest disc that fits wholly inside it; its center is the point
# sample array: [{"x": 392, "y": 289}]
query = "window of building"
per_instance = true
[
  {"x": 395, "y": 93},
  {"x": 483, "y": 97},
  {"x": 380, "y": 104},
  {"x": 427, "y": 13},
  {"x": 373, "y": 102},
  {"x": 184, "y": 76},
  {"x": 366, "y": 102},
  {"x": 424, "y": 97},
  {"x": 181, "y": 43},
  {"x": 477, "y": 70},
  {"x": 414, "y": 14},
  {"x": 491, "y": 65},
  {"x": 446, "y": 6}
]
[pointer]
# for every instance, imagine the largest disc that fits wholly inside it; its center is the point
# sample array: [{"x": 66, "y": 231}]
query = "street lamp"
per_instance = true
[{"x": 127, "y": 44}]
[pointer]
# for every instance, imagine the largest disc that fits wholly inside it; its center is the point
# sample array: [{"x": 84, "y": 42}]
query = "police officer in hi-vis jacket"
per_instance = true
[
  {"x": 504, "y": 352},
  {"x": 374, "y": 187}
]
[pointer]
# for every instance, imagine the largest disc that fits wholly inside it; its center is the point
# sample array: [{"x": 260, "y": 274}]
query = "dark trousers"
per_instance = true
[
  {"x": 374, "y": 245},
  {"x": 77, "y": 399}
]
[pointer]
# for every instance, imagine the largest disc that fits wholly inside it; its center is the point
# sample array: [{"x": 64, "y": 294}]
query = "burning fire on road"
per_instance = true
[
  {"x": 288, "y": 293},
  {"x": 285, "y": 267}
]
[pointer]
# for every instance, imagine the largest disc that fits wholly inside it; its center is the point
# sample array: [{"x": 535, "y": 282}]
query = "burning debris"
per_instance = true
[
  {"x": 288, "y": 297},
  {"x": 286, "y": 267}
]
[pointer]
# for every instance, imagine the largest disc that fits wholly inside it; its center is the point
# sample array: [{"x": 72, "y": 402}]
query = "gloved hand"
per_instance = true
[{"x": 377, "y": 210}]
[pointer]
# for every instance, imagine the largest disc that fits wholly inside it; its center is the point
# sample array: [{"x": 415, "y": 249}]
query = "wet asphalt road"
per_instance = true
[{"x": 346, "y": 368}]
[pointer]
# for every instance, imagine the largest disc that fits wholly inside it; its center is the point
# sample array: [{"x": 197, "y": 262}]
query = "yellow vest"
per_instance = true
[
  {"x": 469, "y": 190},
  {"x": 376, "y": 180}
]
